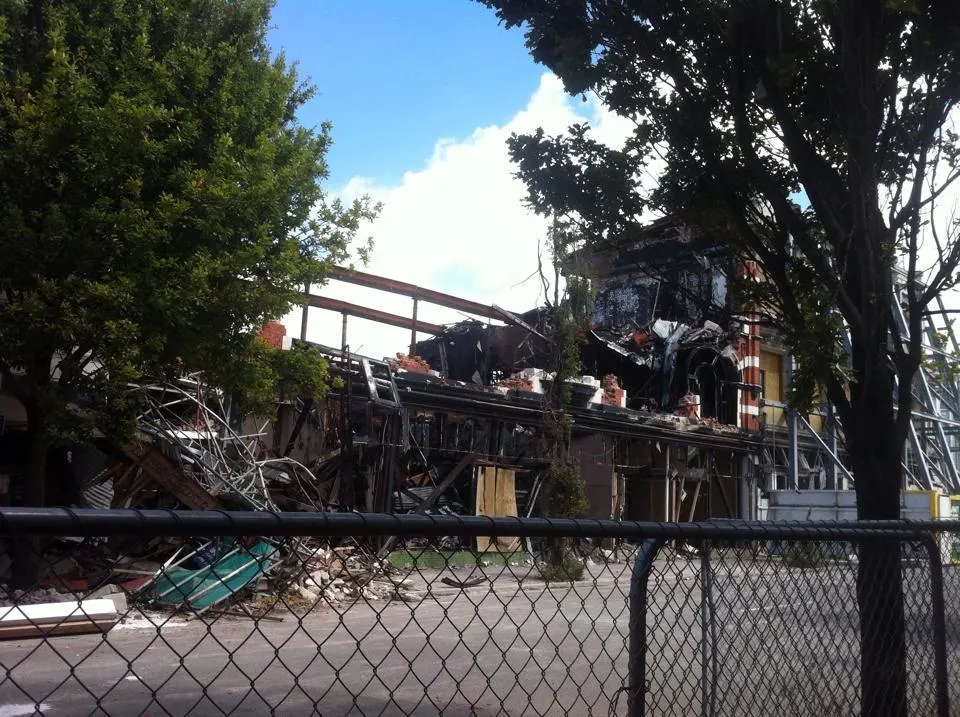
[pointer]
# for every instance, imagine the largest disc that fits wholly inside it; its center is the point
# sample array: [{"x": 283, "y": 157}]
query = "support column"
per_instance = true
[
  {"x": 343, "y": 334},
  {"x": 306, "y": 310},
  {"x": 413, "y": 330},
  {"x": 666, "y": 488},
  {"x": 833, "y": 478},
  {"x": 745, "y": 484},
  {"x": 793, "y": 468}
]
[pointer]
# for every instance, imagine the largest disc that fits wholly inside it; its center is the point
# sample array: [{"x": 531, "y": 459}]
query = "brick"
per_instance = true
[{"x": 273, "y": 334}]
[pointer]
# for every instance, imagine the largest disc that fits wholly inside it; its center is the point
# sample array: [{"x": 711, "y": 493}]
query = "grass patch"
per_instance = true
[{"x": 452, "y": 559}]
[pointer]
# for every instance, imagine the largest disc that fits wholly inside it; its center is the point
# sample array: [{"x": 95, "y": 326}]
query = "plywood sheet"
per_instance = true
[
  {"x": 496, "y": 497},
  {"x": 772, "y": 366}
]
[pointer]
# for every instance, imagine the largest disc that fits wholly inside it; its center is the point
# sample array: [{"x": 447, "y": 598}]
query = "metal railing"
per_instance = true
[{"x": 204, "y": 612}]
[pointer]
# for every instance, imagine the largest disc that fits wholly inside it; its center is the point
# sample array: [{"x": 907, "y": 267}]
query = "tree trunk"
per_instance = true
[
  {"x": 875, "y": 454},
  {"x": 26, "y": 551}
]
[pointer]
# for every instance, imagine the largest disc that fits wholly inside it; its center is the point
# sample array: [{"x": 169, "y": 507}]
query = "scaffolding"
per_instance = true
[{"x": 808, "y": 459}]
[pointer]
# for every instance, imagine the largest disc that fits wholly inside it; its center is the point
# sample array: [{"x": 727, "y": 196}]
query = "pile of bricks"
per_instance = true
[
  {"x": 689, "y": 406},
  {"x": 273, "y": 334},
  {"x": 518, "y": 381},
  {"x": 612, "y": 392},
  {"x": 413, "y": 364}
]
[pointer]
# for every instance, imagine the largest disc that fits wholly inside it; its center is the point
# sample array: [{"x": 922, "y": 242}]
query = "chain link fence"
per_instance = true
[{"x": 212, "y": 613}]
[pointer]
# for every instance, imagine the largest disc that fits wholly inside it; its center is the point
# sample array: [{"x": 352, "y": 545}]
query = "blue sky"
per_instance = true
[
  {"x": 423, "y": 95},
  {"x": 394, "y": 76}
]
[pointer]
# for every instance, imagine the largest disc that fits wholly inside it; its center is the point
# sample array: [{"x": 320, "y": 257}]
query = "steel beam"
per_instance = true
[
  {"x": 793, "y": 452},
  {"x": 830, "y": 452},
  {"x": 372, "y": 281},
  {"x": 953, "y": 476},
  {"x": 305, "y": 316},
  {"x": 365, "y": 312}
]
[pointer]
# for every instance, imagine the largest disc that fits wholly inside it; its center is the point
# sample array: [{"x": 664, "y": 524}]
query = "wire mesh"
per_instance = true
[{"x": 145, "y": 623}]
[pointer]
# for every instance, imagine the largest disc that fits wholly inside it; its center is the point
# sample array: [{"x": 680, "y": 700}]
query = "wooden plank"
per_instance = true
[
  {"x": 168, "y": 476},
  {"x": 445, "y": 483},
  {"x": 485, "y": 476},
  {"x": 431, "y": 499},
  {"x": 693, "y": 506},
  {"x": 506, "y": 505},
  {"x": 22, "y": 632}
]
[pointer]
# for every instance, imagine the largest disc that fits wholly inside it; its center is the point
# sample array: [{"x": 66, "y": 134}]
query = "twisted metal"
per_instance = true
[{"x": 191, "y": 421}]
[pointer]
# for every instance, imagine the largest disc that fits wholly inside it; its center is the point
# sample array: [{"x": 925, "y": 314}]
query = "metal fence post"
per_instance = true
[
  {"x": 708, "y": 636},
  {"x": 637, "y": 655},
  {"x": 939, "y": 626}
]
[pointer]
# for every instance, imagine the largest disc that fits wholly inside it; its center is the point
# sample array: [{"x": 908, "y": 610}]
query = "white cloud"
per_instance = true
[{"x": 457, "y": 225}]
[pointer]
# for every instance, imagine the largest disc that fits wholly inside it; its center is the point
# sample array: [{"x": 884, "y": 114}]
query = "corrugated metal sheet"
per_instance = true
[{"x": 99, "y": 495}]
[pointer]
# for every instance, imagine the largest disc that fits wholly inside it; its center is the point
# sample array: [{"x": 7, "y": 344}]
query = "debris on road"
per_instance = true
[
  {"x": 57, "y": 618},
  {"x": 463, "y": 584}
]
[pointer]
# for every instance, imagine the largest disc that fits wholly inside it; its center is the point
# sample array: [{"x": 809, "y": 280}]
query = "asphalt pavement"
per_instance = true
[{"x": 779, "y": 641}]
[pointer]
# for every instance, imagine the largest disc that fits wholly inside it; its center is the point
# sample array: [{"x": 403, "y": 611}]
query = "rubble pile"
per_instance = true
[
  {"x": 413, "y": 364},
  {"x": 519, "y": 382},
  {"x": 613, "y": 394},
  {"x": 191, "y": 453},
  {"x": 196, "y": 576},
  {"x": 340, "y": 575}
]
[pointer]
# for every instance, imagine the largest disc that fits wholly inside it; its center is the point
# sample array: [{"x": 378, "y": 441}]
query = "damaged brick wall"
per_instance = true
[
  {"x": 613, "y": 394},
  {"x": 273, "y": 334}
]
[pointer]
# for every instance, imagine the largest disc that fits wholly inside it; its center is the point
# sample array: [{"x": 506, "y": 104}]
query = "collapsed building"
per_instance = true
[
  {"x": 665, "y": 414},
  {"x": 679, "y": 412}
]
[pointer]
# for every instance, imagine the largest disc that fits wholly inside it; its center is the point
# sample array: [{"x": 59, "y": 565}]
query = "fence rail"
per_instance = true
[{"x": 149, "y": 612}]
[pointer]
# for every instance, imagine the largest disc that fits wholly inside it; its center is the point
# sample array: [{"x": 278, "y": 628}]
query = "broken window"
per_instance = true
[{"x": 711, "y": 377}]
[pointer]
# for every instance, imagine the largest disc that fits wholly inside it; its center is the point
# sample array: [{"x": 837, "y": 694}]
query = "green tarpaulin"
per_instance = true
[{"x": 202, "y": 588}]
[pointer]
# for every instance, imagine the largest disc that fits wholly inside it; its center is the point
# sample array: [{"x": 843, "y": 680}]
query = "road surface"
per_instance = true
[{"x": 784, "y": 642}]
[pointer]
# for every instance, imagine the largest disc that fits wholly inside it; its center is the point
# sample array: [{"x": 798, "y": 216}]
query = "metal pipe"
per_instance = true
[
  {"x": 793, "y": 466},
  {"x": 704, "y": 627},
  {"x": 92, "y": 522},
  {"x": 833, "y": 481},
  {"x": 636, "y": 688},
  {"x": 666, "y": 487},
  {"x": 825, "y": 447},
  {"x": 953, "y": 476},
  {"x": 921, "y": 457},
  {"x": 306, "y": 308},
  {"x": 413, "y": 330},
  {"x": 941, "y": 679},
  {"x": 708, "y": 626}
]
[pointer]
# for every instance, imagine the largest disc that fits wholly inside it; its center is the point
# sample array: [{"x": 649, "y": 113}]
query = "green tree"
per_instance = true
[
  {"x": 564, "y": 487},
  {"x": 159, "y": 202},
  {"x": 738, "y": 105}
]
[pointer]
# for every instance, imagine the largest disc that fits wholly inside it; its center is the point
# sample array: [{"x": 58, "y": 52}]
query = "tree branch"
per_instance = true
[{"x": 784, "y": 213}]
